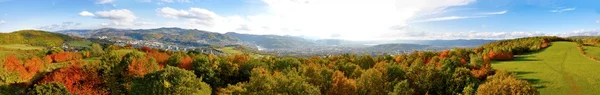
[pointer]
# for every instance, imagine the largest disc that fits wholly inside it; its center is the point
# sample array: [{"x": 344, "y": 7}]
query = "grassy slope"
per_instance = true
[
  {"x": 19, "y": 50},
  {"x": 558, "y": 70},
  {"x": 233, "y": 51}
]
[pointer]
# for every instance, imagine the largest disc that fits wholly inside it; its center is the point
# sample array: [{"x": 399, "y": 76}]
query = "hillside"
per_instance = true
[
  {"x": 273, "y": 41},
  {"x": 557, "y": 70},
  {"x": 191, "y": 37},
  {"x": 35, "y": 38}
]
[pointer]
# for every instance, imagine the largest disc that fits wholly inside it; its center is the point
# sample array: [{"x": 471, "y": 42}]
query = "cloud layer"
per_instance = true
[{"x": 61, "y": 26}]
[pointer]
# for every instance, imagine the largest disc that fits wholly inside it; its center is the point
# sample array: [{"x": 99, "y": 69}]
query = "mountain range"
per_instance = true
[{"x": 194, "y": 37}]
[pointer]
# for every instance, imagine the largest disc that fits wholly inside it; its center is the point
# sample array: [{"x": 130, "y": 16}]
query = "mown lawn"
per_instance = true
[{"x": 557, "y": 70}]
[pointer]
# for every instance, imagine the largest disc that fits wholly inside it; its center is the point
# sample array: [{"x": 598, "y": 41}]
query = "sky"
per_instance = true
[{"x": 317, "y": 19}]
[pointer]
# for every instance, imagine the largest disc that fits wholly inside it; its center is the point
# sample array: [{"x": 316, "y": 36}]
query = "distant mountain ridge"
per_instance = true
[
  {"x": 273, "y": 41},
  {"x": 173, "y": 35},
  {"x": 196, "y": 37}
]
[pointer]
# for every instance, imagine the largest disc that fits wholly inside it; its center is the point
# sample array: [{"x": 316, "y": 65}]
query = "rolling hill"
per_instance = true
[{"x": 35, "y": 38}]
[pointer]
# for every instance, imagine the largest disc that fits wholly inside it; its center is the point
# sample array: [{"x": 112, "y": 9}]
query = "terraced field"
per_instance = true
[{"x": 557, "y": 70}]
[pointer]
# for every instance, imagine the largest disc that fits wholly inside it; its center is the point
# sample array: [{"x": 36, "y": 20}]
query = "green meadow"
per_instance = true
[
  {"x": 557, "y": 70},
  {"x": 21, "y": 47}
]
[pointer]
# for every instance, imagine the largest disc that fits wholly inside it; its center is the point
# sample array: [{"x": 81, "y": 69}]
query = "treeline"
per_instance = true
[{"x": 151, "y": 71}]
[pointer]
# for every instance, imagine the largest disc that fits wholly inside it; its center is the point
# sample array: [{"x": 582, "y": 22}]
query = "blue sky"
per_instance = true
[{"x": 324, "y": 19}]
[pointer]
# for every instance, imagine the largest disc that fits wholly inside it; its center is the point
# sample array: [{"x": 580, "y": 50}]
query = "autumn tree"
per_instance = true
[
  {"x": 342, "y": 85},
  {"x": 318, "y": 75},
  {"x": 371, "y": 83},
  {"x": 264, "y": 82},
  {"x": 77, "y": 80},
  {"x": 135, "y": 64},
  {"x": 160, "y": 57},
  {"x": 504, "y": 83},
  {"x": 170, "y": 81}
]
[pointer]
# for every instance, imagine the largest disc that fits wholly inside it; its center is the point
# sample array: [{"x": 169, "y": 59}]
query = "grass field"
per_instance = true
[
  {"x": 86, "y": 44},
  {"x": 125, "y": 51},
  {"x": 557, "y": 70},
  {"x": 230, "y": 50},
  {"x": 21, "y": 47},
  {"x": 233, "y": 51}
]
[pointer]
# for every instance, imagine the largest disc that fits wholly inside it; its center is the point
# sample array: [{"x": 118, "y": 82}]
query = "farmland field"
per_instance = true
[{"x": 557, "y": 70}]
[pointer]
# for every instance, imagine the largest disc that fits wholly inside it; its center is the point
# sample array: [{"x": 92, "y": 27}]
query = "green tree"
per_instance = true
[
  {"x": 371, "y": 82},
  {"x": 263, "y": 82},
  {"x": 97, "y": 50},
  {"x": 286, "y": 63},
  {"x": 170, "y": 81},
  {"x": 402, "y": 88},
  {"x": 51, "y": 88},
  {"x": 366, "y": 62}
]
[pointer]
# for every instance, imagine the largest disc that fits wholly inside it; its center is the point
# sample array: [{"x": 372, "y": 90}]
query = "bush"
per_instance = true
[
  {"x": 51, "y": 88},
  {"x": 503, "y": 83},
  {"x": 170, "y": 81}
]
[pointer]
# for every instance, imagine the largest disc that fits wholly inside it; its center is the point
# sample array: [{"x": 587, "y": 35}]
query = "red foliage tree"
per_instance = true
[
  {"x": 77, "y": 80},
  {"x": 65, "y": 56},
  {"x": 186, "y": 63},
  {"x": 238, "y": 59},
  {"x": 161, "y": 58},
  {"x": 147, "y": 49},
  {"x": 444, "y": 54},
  {"x": 138, "y": 67},
  {"x": 499, "y": 55},
  {"x": 25, "y": 70}
]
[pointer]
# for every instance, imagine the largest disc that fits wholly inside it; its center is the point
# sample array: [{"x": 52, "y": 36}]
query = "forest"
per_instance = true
[{"x": 104, "y": 69}]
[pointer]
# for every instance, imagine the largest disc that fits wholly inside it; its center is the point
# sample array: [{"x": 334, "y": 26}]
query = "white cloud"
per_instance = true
[
  {"x": 449, "y": 18},
  {"x": 171, "y": 1},
  {"x": 167, "y": 1},
  {"x": 2, "y": 21},
  {"x": 118, "y": 17},
  {"x": 597, "y": 21},
  {"x": 353, "y": 19},
  {"x": 560, "y": 10},
  {"x": 203, "y": 19},
  {"x": 495, "y": 13},
  {"x": 104, "y": 1},
  {"x": 86, "y": 13}
]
